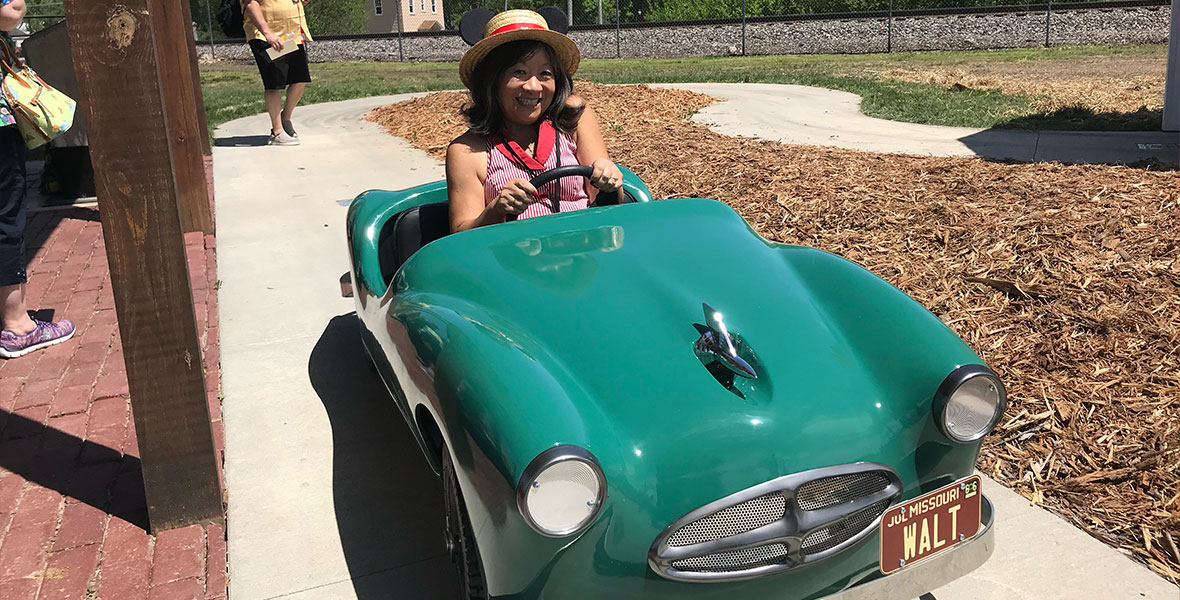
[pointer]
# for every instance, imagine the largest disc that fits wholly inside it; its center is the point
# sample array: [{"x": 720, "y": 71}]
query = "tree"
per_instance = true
[
  {"x": 336, "y": 17},
  {"x": 204, "y": 11},
  {"x": 453, "y": 10},
  {"x": 323, "y": 17},
  {"x": 40, "y": 14}
]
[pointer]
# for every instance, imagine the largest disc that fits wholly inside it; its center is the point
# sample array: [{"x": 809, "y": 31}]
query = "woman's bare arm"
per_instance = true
[
  {"x": 254, "y": 13},
  {"x": 11, "y": 15},
  {"x": 592, "y": 152},
  {"x": 466, "y": 159},
  {"x": 467, "y": 169}
]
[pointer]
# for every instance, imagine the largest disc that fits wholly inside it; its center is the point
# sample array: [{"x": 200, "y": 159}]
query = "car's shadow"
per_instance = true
[{"x": 389, "y": 507}]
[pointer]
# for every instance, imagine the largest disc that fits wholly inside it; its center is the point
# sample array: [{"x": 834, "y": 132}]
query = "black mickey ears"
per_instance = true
[
  {"x": 472, "y": 23},
  {"x": 555, "y": 18}
]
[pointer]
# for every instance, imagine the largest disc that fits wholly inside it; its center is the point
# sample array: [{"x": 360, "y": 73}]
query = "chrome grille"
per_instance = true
[
  {"x": 778, "y": 525},
  {"x": 826, "y": 538},
  {"x": 735, "y": 560},
  {"x": 830, "y": 491},
  {"x": 736, "y": 519}
]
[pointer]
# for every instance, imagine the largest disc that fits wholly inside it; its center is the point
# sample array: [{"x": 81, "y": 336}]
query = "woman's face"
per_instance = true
[{"x": 526, "y": 89}]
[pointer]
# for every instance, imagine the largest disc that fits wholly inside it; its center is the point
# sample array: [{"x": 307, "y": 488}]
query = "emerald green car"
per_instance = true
[{"x": 650, "y": 400}]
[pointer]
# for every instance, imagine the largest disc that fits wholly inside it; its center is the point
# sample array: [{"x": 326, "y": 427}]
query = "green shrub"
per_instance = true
[{"x": 337, "y": 17}]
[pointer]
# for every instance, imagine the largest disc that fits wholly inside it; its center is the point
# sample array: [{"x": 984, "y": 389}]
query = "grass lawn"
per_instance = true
[{"x": 233, "y": 90}]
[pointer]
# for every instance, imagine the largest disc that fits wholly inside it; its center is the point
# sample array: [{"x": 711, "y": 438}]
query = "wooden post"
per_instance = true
[
  {"x": 120, "y": 56},
  {"x": 172, "y": 28},
  {"x": 195, "y": 72}
]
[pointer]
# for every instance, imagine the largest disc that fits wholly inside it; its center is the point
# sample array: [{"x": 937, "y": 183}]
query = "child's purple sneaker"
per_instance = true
[{"x": 46, "y": 334}]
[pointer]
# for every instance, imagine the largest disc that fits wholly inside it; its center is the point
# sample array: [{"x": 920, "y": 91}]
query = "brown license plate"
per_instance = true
[{"x": 922, "y": 527}]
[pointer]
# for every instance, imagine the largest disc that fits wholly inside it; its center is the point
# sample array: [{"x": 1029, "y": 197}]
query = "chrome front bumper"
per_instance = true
[{"x": 935, "y": 572}]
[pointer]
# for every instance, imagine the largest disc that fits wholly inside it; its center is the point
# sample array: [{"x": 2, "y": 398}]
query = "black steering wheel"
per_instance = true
[
  {"x": 566, "y": 171},
  {"x": 572, "y": 171}
]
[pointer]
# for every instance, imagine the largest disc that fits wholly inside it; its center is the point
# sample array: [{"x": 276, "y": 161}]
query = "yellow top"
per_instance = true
[{"x": 284, "y": 17}]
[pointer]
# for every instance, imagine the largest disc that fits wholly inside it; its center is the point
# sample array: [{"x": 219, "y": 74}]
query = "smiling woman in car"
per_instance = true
[{"x": 524, "y": 120}]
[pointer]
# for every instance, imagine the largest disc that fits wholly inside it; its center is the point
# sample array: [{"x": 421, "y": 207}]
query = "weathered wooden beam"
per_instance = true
[
  {"x": 132, "y": 117},
  {"x": 196, "y": 75},
  {"x": 172, "y": 29}
]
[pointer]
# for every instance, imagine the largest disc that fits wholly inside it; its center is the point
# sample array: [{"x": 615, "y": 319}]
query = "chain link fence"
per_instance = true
[{"x": 425, "y": 30}]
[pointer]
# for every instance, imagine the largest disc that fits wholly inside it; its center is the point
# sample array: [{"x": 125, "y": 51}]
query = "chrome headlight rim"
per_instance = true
[
  {"x": 951, "y": 384},
  {"x": 546, "y": 459}
]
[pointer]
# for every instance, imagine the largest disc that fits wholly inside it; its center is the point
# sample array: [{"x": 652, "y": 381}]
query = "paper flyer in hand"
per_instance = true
[{"x": 290, "y": 44}]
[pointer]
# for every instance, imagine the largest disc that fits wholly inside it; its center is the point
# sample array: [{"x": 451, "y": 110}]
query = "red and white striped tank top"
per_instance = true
[{"x": 503, "y": 166}]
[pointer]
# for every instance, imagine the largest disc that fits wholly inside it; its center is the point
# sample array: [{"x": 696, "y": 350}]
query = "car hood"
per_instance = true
[{"x": 601, "y": 309}]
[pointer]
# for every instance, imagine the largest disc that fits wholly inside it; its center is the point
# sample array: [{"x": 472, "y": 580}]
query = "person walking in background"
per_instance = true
[
  {"x": 21, "y": 334},
  {"x": 277, "y": 30}
]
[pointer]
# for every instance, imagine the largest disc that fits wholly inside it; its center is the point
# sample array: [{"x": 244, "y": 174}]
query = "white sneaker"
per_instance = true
[{"x": 282, "y": 139}]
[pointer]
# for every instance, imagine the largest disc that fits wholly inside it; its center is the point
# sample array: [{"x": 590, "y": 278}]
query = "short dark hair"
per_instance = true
[{"x": 484, "y": 114}]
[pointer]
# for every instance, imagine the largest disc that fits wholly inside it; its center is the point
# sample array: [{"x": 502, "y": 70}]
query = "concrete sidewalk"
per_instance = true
[
  {"x": 330, "y": 496},
  {"x": 795, "y": 114}
]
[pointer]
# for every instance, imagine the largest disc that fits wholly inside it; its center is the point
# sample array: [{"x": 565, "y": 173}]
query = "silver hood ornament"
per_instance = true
[{"x": 715, "y": 341}]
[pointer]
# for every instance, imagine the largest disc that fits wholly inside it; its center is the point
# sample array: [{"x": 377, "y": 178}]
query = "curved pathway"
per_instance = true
[
  {"x": 329, "y": 497},
  {"x": 795, "y": 114}
]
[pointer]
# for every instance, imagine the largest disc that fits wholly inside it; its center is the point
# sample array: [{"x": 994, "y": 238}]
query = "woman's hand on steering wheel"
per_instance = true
[
  {"x": 516, "y": 196},
  {"x": 602, "y": 171},
  {"x": 606, "y": 175}
]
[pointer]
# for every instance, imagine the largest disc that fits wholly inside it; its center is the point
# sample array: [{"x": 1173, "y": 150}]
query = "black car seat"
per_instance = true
[{"x": 412, "y": 229}]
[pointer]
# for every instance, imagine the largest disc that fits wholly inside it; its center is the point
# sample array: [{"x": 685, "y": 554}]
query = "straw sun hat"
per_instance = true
[{"x": 485, "y": 32}]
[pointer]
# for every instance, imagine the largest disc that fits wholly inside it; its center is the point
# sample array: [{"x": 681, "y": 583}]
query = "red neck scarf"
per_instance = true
[{"x": 546, "y": 142}]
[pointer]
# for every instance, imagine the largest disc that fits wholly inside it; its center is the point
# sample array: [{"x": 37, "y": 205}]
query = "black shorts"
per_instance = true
[{"x": 281, "y": 72}]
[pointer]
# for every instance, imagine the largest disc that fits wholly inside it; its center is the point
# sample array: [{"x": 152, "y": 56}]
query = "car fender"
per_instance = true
[{"x": 500, "y": 399}]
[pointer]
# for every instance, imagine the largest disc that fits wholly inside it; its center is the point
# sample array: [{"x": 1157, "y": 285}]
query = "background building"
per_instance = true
[{"x": 416, "y": 15}]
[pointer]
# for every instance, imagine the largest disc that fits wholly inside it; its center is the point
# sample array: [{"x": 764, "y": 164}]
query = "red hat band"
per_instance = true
[{"x": 516, "y": 26}]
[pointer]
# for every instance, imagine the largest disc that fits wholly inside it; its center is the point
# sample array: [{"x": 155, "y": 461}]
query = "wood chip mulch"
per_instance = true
[
  {"x": 1063, "y": 278},
  {"x": 1122, "y": 94}
]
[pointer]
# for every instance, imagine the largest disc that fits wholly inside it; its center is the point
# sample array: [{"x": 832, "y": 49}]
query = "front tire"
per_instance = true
[{"x": 460, "y": 539}]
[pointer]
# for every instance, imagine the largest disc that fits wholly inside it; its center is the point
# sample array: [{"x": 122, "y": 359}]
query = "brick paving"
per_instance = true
[{"x": 73, "y": 515}]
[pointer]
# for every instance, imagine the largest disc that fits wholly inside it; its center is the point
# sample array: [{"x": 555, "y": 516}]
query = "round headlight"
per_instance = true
[
  {"x": 561, "y": 491},
  {"x": 969, "y": 403}
]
